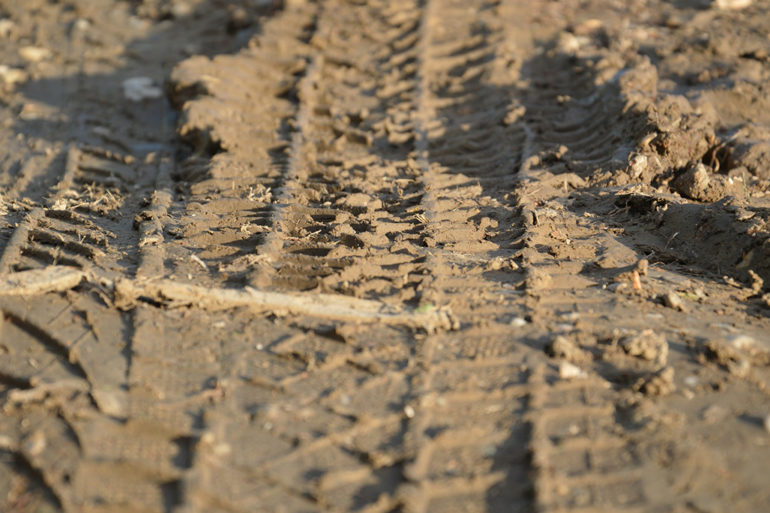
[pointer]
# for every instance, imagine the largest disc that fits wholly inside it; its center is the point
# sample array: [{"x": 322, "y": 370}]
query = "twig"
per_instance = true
[{"x": 126, "y": 293}]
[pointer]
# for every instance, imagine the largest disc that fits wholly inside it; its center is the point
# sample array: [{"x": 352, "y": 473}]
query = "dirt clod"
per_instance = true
[
  {"x": 713, "y": 414},
  {"x": 699, "y": 184},
  {"x": 563, "y": 347},
  {"x": 647, "y": 345},
  {"x": 659, "y": 383},
  {"x": 537, "y": 280}
]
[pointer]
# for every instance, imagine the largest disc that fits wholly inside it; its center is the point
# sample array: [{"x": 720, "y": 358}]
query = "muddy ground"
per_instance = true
[{"x": 384, "y": 256}]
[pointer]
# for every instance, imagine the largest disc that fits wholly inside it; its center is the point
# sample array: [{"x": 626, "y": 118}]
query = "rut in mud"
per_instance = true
[{"x": 513, "y": 217}]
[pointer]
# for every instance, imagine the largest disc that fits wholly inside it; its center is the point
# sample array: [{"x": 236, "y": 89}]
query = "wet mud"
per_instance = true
[{"x": 380, "y": 256}]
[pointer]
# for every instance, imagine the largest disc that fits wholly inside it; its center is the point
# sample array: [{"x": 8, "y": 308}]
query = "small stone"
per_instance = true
[
  {"x": 637, "y": 165},
  {"x": 81, "y": 24},
  {"x": 570, "y": 371},
  {"x": 181, "y": 9},
  {"x": 518, "y": 322},
  {"x": 767, "y": 423},
  {"x": 732, "y": 4},
  {"x": 742, "y": 342},
  {"x": 12, "y": 76},
  {"x": 141, "y": 88},
  {"x": 693, "y": 183},
  {"x": 110, "y": 402},
  {"x": 34, "y": 53},
  {"x": 672, "y": 300}
]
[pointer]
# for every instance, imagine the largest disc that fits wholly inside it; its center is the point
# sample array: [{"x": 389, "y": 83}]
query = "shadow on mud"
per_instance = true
[
  {"x": 88, "y": 106},
  {"x": 572, "y": 117},
  {"x": 568, "y": 119}
]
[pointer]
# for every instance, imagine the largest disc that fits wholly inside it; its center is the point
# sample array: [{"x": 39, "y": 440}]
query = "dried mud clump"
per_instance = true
[
  {"x": 737, "y": 355},
  {"x": 646, "y": 345},
  {"x": 753, "y": 155},
  {"x": 567, "y": 349},
  {"x": 659, "y": 383},
  {"x": 697, "y": 183}
]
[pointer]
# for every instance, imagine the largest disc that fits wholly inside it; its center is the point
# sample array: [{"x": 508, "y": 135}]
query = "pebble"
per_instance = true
[
  {"x": 81, "y": 24},
  {"x": 141, "y": 88},
  {"x": 672, "y": 300},
  {"x": 181, "y": 9},
  {"x": 732, "y": 4},
  {"x": 12, "y": 76},
  {"x": 570, "y": 371},
  {"x": 742, "y": 342},
  {"x": 767, "y": 423},
  {"x": 110, "y": 402},
  {"x": 34, "y": 53},
  {"x": 637, "y": 165}
]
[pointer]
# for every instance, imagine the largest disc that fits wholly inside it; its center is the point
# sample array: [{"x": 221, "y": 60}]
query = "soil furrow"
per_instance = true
[
  {"x": 236, "y": 194},
  {"x": 445, "y": 458},
  {"x": 330, "y": 235}
]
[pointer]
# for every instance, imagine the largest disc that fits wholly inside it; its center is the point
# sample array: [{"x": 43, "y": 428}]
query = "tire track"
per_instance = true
[
  {"x": 231, "y": 206},
  {"x": 79, "y": 225},
  {"x": 386, "y": 150},
  {"x": 584, "y": 459},
  {"x": 333, "y": 461},
  {"x": 340, "y": 236},
  {"x": 477, "y": 461},
  {"x": 335, "y": 218}
]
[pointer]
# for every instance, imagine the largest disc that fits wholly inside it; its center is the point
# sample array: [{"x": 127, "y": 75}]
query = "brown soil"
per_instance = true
[{"x": 384, "y": 256}]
